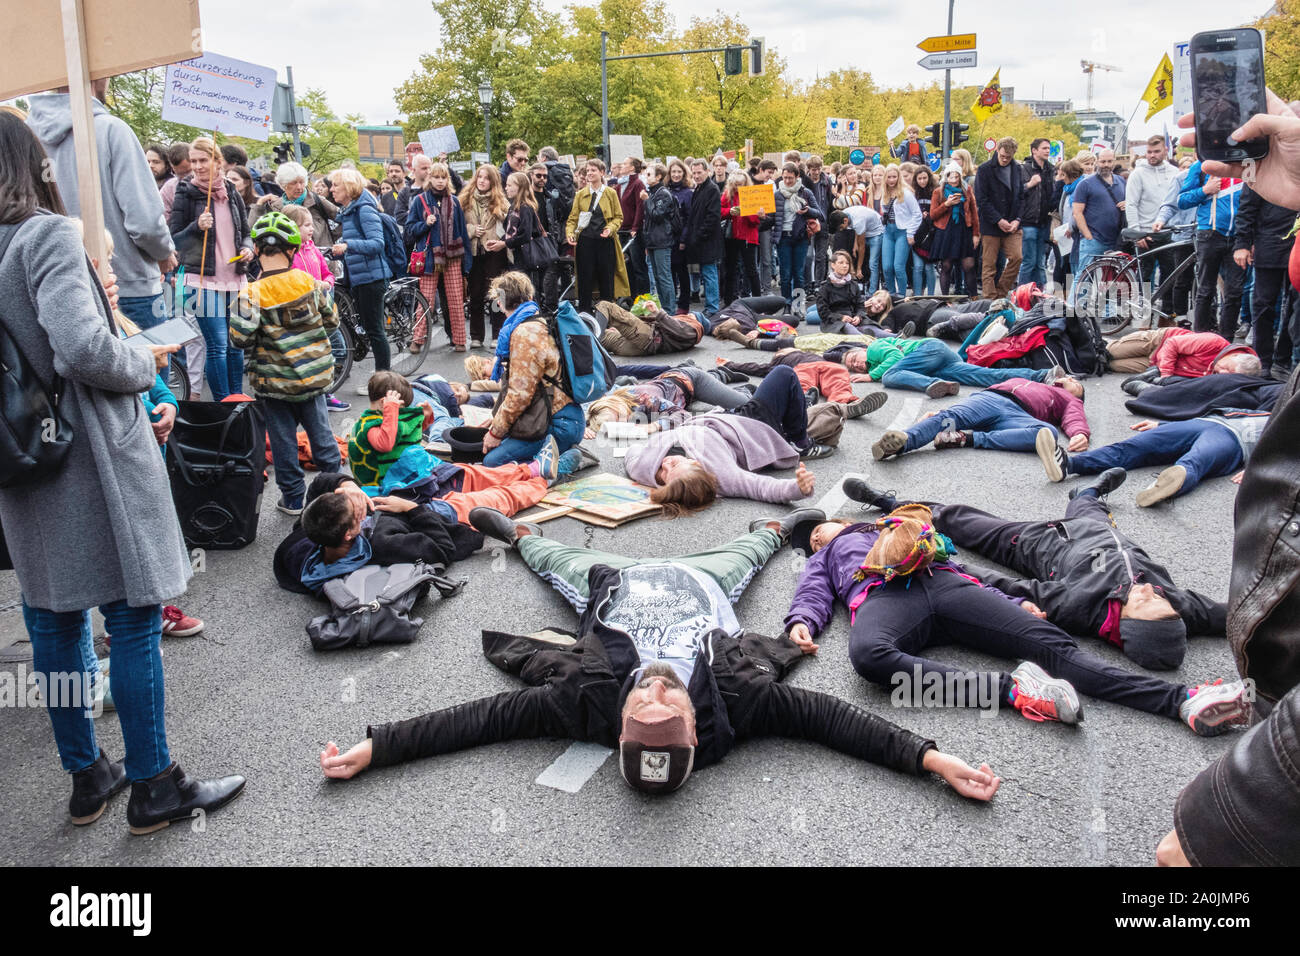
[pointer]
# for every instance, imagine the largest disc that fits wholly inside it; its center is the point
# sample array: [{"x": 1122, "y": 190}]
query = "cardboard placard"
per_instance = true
[
  {"x": 122, "y": 36},
  {"x": 757, "y": 200},
  {"x": 443, "y": 139},
  {"x": 625, "y": 147}
]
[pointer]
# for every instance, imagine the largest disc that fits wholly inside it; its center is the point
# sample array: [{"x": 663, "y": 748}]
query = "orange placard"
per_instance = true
[{"x": 757, "y": 200}]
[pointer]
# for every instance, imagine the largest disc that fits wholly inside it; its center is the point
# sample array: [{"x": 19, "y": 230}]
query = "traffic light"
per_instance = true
[
  {"x": 957, "y": 134},
  {"x": 756, "y": 47},
  {"x": 306, "y": 150},
  {"x": 936, "y": 135},
  {"x": 600, "y": 154},
  {"x": 733, "y": 60},
  {"x": 283, "y": 151}
]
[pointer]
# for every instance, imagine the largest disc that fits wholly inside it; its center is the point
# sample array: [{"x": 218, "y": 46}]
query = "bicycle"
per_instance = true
[
  {"x": 178, "y": 379},
  {"x": 1109, "y": 288},
  {"x": 407, "y": 315}
]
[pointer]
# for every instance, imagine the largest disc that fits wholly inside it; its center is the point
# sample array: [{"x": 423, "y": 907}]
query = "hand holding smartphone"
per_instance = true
[{"x": 1227, "y": 90}]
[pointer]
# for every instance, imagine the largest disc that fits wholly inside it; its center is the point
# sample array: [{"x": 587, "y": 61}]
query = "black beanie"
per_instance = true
[{"x": 1157, "y": 645}]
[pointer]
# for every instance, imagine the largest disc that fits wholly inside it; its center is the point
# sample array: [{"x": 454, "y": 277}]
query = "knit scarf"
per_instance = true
[
  {"x": 452, "y": 246},
  {"x": 794, "y": 204},
  {"x": 522, "y": 314},
  {"x": 838, "y": 280},
  {"x": 301, "y": 200},
  {"x": 950, "y": 190}
]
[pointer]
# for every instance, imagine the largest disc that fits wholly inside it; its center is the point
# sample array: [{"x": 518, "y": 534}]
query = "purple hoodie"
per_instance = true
[
  {"x": 828, "y": 575},
  {"x": 732, "y": 448}
]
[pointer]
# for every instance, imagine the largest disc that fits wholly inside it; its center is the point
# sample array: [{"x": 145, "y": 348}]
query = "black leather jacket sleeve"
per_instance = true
[
  {"x": 513, "y": 715},
  {"x": 1241, "y": 810},
  {"x": 783, "y": 711}
]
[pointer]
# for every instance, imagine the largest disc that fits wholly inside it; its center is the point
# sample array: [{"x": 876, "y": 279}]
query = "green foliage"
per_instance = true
[
  {"x": 1282, "y": 49},
  {"x": 136, "y": 99}
]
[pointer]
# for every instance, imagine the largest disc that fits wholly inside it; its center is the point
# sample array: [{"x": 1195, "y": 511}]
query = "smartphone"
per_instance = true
[{"x": 1227, "y": 89}]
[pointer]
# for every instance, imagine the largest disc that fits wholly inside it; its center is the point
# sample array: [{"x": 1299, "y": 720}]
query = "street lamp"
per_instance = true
[{"x": 485, "y": 100}]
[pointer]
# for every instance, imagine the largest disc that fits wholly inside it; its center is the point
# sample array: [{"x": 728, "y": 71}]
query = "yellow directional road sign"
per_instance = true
[{"x": 958, "y": 41}]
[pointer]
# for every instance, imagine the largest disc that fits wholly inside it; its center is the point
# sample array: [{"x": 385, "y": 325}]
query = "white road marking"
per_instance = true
[
  {"x": 574, "y": 767},
  {"x": 906, "y": 416},
  {"x": 835, "y": 499}
]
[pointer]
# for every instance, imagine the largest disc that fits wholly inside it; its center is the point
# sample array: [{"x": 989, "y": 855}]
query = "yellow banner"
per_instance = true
[
  {"x": 989, "y": 100},
  {"x": 1160, "y": 91}
]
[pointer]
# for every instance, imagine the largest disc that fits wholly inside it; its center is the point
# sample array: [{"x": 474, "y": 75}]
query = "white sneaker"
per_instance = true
[
  {"x": 1215, "y": 708},
  {"x": 476, "y": 344},
  {"x": 364, "y": 389},
  {"x": 1041, "y": 697}
]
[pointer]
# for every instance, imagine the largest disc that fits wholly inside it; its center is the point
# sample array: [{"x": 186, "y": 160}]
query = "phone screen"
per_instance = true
[{"x": 1228, "y": 84}]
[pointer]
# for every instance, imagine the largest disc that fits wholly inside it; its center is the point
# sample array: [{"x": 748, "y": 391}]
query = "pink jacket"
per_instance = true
[{"x": 310, "y": 260}]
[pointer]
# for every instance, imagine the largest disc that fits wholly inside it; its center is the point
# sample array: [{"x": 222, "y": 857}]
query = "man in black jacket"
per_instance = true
[
  {"x": 352, "y": 530},
  {"x": 819, "y": 184},
  {"x": 1036, "y": 215},
  {"x": 659, "y": 669},
  {"x": 999, "y": 194},
  {"x": 1088, "y": 577},
  {"x": 1264, "y": 240},
  {"x": 704, "y": 234}
]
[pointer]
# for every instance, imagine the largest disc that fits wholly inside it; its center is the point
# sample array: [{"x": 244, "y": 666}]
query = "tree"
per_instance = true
[{"x": 1282, "y": 49}]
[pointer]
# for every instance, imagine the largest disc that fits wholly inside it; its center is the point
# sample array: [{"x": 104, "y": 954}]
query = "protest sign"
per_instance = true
[
  {"x": 441, "y": 140},
  {"x": 625, "y": 147},
  {"x": 841, "y": 132},
  {"x": 755, "y": 200},
  {"x": 895, "y": 128},
  {"x": 213, "y": 92}
]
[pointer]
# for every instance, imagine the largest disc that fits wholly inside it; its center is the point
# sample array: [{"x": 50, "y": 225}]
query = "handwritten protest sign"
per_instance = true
[
  {"x": 220, "y": 93},
  {"x": 757, "y": 199},
  {"x": 439, "y": 141}
]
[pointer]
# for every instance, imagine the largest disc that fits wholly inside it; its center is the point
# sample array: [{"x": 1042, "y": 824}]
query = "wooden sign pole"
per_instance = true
[{"x": 83, "y": 131}]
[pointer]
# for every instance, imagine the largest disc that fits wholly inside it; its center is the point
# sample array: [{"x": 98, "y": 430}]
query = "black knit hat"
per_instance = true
[{"x": 1157, "y": 645}]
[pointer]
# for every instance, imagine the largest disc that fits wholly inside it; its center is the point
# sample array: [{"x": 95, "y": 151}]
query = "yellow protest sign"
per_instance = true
[{"x": 757, "y": 200}]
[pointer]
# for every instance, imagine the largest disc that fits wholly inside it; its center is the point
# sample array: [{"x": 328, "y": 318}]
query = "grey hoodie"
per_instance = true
[{"x": 133, "y": 212}]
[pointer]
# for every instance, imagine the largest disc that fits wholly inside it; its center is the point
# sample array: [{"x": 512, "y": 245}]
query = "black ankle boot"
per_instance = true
[
  {"x": 93, "y": 787},
  {"x": 175, "y": 795}
]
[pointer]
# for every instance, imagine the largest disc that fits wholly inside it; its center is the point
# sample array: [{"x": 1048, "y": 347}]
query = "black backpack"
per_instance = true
[
  {"x": 560, "y": 191},
  {"x": 34, "y": 435},
  {"x": 373, "y": 604}
]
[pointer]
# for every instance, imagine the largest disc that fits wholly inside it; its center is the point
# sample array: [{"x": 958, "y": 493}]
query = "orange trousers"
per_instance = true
[
  {"x": 829, "y": 378},
  {"x": 507, "y": 488}
]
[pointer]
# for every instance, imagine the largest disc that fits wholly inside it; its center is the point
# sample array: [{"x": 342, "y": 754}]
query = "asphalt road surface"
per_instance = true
[{"x": 251, "y": 696}]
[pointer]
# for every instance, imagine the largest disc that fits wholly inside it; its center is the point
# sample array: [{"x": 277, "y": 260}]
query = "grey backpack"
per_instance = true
[{"x": 372, "y": 605}]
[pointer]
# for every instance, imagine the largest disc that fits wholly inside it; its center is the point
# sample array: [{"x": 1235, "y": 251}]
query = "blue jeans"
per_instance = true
[
  {"x": 224, "y": 366},
  {"x": 1033, "y": 248},
  {"x": 136, "y": 679},
  {"x": 282, "y": 421},
  {"x": 792, "y": 256},
  {"x": 1205, "y": 449},
  {"x": 145, "y": 311},
  {"x": 874, "y": 245},
  {"x": 661, "y": 277},
  {"x": 338, "y": 346},
  {"x": 1088, "y": 249},
  {"x": 567, "y": 426},
  {"x": 932, "y": 360},
  {"x": 894, "y": 255},
  {"x": 994, "y": 421},
  {"x": 923, "y": 276},
  {"x": 709, "y": 280}
]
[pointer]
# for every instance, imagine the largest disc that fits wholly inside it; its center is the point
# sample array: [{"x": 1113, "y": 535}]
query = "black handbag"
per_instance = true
[
  {"x": 216, "y": 461},
  {"x": 35, "y": 437},
  {"x": 924, "y": 238}
]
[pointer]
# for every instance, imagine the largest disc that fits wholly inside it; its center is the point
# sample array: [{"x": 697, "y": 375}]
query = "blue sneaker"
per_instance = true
[
  {"x": 569, "y": 462},
  {"x": 336, "y": 405},
  {"x": 548, "y": 459}
]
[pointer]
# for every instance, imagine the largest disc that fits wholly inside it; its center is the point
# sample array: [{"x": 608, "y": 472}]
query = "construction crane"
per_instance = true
[{"x": 1090, "y": 68}]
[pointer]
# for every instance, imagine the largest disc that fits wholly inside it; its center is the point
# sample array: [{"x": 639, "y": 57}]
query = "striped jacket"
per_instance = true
[{"x": 285, "y": 319}]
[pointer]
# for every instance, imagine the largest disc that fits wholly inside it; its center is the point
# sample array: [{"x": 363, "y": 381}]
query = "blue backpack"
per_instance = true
[
  {"x": 394, "y": 246},
  {"x": 587, "y": 371}
]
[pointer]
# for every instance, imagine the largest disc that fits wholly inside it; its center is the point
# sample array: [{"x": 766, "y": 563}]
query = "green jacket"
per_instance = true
[
  {"x": 285, "y": 320},
  {"x": 884, "y": 354}
]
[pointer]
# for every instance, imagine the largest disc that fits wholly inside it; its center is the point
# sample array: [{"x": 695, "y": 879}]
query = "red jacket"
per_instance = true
[
  {"x": 629, "y": 197},
  {"x": 1192, "y": 354},
  {"x": 742, "y": 227},
  {"x": 1047, "y": 403}
]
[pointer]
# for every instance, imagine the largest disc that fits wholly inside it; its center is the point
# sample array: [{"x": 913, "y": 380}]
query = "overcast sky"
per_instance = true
[{"x": 359, "y": 57}]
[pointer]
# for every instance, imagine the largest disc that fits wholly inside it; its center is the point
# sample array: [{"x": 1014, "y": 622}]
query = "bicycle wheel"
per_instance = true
[
  {"x": 343, "y": 362},
  {"x": 412, "y": 325},
  {"x": 1108, "y": 291},
  {"x": 178, "y": 379}
]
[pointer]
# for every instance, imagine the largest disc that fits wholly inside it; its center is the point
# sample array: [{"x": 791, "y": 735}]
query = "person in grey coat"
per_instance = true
[
  {"x": 133, "y": 210},
  {"x": 102, "y": 530}
]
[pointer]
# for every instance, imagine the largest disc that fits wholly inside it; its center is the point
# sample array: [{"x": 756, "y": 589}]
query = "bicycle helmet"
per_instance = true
[{"x": 276, "y": 231}]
